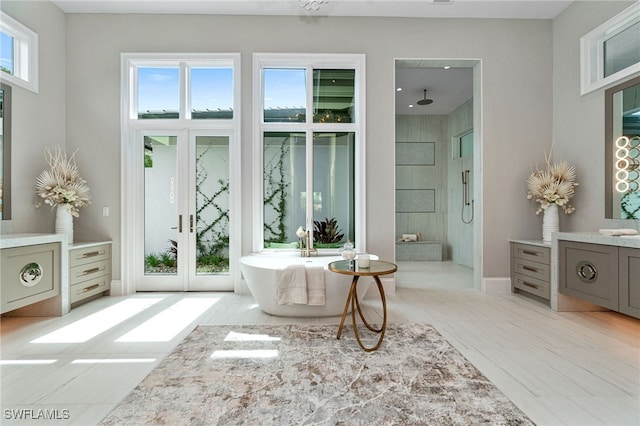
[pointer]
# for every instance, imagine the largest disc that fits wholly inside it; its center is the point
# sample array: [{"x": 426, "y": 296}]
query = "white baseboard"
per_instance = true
[{"x": 496, "y": 285}]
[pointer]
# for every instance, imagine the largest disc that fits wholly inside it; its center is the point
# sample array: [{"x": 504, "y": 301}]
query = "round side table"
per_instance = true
[{"x": 375, "y": 269}]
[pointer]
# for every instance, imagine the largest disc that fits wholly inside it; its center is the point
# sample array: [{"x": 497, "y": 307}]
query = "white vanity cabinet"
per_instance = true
[
  {"x": 89, "y": 271},
  {"x": 33, "y": 278}
]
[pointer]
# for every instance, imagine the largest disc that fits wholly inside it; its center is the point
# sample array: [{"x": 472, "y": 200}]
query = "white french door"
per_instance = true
[{"x": 183, "y": 211}]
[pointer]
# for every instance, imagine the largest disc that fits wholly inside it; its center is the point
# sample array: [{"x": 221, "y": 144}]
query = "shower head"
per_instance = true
[{"x": 425, "y": 101}]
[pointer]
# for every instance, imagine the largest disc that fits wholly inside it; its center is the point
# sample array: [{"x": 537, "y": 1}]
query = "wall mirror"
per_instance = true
[
  {"x": 622, "y": 152},
  {"x": 5, "y": 152}
]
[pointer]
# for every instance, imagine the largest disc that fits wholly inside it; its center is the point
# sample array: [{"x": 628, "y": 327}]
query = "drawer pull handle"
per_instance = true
[
  {"x": 529, "y": 252},
  {"x": 91, "y": 287},
  {"x": 91, "y": 254},
  {"x": 529, "y": 268},
  {"x": 90, "y": 271},
  {"x": 529, "y": 284},
  {"x": 586, "y": 271}
]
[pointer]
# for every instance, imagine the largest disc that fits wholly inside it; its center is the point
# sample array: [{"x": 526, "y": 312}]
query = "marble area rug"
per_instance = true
[{"x": 303, "y": 375}]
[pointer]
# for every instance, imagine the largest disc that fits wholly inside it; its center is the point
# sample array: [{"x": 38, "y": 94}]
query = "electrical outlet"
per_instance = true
[{"x": 105, "y": 211}]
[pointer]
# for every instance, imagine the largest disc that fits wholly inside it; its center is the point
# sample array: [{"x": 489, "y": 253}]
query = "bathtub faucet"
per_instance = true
[{"x": 305, "y": 248}]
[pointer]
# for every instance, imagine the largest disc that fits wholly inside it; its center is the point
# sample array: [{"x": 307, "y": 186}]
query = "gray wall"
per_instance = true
[
  {"x": 517, "y": 71},
  {"x": 578, "y": 121},
  {"x": 38, "y": 118}
]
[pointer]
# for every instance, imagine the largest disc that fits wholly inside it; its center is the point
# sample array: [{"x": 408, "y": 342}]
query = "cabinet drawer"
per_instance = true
[
  {"x": 532, "y": 253},
  {"x": 84, "y": 255},
  {"x": 531, "y": 285},
  {"x": 531, "y": 269},
  {"x": 89, "y": 271},
  {"x": 89, "y": 288}
]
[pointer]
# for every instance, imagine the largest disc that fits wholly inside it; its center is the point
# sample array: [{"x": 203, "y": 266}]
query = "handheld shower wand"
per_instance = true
[{"x": 465, "y": 197}]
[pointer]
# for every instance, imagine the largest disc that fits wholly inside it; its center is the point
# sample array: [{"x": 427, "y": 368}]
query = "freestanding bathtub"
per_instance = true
[{"x": 260, "y": 272}]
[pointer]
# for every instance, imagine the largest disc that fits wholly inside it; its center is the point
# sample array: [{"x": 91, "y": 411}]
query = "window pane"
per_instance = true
[
  {"x": 333, "y": 96},
  {"x": 6, "y": 53},
  {"x": 284, "y": 95},
  {"x": 284, "y": 188},
  {"x": 211, "y": 93},
  {"x": 158, "y": 93},
  {"x": 466, "y": 144},
  {"x": 622, "y": 50},
  {"x": 160, "y": 205},
  {"x": 212, "y": 205},
  {"x": 333, "y": 188}
]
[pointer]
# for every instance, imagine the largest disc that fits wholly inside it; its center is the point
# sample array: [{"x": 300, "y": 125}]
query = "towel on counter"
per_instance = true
[
  {"x": 291, "y": 287},
  {"x": 315, "y": 285}
]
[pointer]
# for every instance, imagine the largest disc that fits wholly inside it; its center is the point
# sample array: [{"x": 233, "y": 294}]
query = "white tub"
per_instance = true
[{"x": 260, "y": 273}]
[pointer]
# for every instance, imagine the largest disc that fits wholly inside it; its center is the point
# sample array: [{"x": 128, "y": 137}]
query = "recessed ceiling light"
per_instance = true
[
  {"x": 411, "y": 106},
  {"x": 399, "y": 89},
  {"x": 446, "y": 67}
]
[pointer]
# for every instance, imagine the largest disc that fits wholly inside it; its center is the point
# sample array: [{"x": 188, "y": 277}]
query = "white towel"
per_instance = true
[
  {"x": 617, "y": 232},
  {"x": 315, "y": 285},
  {"x": 292, "y": 285}
]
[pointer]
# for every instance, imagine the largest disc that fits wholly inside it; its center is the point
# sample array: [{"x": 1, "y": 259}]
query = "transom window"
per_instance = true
[
  {"x": 185, "y": 89},
  {"x": 18, "y": 53},
  {"x": 310, "y": 150},
  {"x": 611, "y": 52}
]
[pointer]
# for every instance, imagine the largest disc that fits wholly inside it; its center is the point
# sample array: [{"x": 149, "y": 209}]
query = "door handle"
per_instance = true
[{"x": 179, "y": 227}]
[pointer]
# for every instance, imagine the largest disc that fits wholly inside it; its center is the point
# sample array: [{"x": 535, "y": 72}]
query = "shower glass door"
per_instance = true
[{"x": 185, "y": 219}]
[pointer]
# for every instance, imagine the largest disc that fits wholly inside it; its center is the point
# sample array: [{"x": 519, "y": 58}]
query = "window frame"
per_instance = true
[
  {"x": 131, "y": 127},
  {"x": 309, "y": 62},
  {"x": 25, "y": 51},
  {"x": 592, "y": 51}
]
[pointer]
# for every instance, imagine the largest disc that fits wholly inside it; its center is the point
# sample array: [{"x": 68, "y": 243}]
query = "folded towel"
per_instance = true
[
  {"x": 616, "y": 232},
  {"x": 291, "y": 287},
  {"x": 315, "y": 285}
]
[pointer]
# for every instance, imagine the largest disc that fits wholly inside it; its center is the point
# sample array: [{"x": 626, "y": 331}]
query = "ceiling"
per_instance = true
[
  {"x": 448, "y": 88},
  {"x": 533, "y": 9}
]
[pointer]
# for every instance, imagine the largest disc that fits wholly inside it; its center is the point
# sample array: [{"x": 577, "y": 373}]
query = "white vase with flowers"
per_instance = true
[
  {"x": 552, "y": 188},
  {"x": 61, "y": 186}
]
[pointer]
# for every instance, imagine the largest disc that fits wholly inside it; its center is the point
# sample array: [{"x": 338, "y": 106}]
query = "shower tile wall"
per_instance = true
[
  {"x": 459, "y": 234},
  {"x": 421, "y": 173}
]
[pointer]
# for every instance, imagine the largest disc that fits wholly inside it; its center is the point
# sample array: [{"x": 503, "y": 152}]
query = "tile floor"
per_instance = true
[{"x": 559, "y": 368}]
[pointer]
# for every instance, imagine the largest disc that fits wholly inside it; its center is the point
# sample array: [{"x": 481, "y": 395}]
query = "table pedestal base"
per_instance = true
[{"x": 352, "y": 299}]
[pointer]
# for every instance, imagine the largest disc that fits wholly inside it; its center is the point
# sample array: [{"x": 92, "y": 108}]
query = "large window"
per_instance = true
[
  {"x": 310, "y": 150},
  {"x": 611, "y": 51},
  {"x": 18, "y": 53}
]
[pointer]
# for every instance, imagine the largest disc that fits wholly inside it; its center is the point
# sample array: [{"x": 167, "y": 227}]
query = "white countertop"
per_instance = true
[
  {"x": 25, "y": 239},
  {"x": 597, "y": 238}
]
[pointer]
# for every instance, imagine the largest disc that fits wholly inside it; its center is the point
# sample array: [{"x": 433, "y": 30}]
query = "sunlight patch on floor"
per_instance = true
[
  {"x": 95, "y": 324},
  {"x": 169, "y": 323}
]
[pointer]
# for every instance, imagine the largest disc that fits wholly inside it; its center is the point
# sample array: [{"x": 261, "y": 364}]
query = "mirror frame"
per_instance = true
[
  {"x": 6, "y": 152},
  {"x": 609, "y": 142}
]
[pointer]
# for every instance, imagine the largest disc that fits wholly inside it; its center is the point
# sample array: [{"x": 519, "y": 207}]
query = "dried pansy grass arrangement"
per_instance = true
[
  {"x": 555, "y": 185},
  {"x": 62, "y": 185}
]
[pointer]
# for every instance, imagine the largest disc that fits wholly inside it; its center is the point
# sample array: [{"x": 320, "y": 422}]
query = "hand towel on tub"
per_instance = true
[
  {"x": 315, "y": 285},
  {"x": 292, "y": 285}
]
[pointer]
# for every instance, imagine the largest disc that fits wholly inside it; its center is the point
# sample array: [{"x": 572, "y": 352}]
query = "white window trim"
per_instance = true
[
  {"x": 288, "y": 60},
  {"x": 130, "y": 125},
  {"x": 25, "y": 50},
  {"x": 592, "y": 51}
]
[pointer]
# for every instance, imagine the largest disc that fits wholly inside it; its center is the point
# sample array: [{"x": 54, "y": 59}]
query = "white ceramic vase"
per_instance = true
[
  {"x": 550, "y": 222},
  {"x": 64, "y": 222}
]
